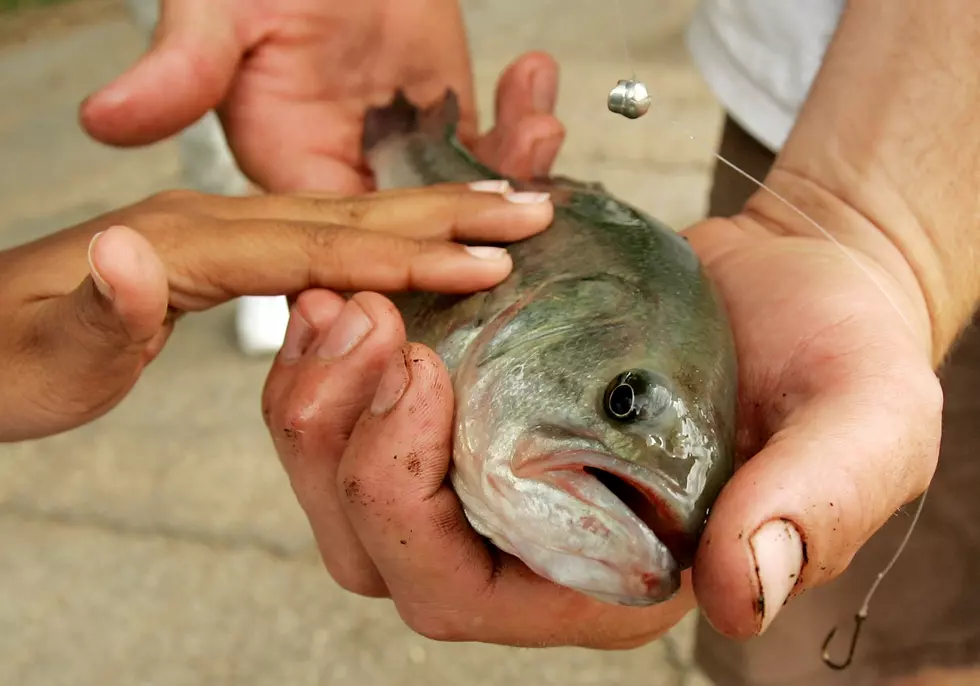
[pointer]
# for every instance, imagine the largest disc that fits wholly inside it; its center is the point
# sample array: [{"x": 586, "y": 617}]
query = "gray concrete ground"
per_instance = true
[{"x": 162, "y": 545}]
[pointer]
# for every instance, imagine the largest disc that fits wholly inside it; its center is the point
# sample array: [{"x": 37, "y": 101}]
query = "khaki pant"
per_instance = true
[{"x": 925, "y": 617}]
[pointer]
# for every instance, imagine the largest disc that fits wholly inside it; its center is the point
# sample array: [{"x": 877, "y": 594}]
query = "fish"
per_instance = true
[{"x": 595, "y": 387}]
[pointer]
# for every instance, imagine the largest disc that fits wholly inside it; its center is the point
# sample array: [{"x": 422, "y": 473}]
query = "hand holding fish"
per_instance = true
[
  {"x": 363, "y": 422},
  {"x": 839, "y": 406},
  {"x": 292, "y": 79},
  {"x": 77, "y": 332},
  {"x": 839, "y": 413}
]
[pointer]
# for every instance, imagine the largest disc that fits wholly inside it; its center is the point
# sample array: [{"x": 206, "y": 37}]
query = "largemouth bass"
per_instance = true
[{"x": 595, "y": 387}]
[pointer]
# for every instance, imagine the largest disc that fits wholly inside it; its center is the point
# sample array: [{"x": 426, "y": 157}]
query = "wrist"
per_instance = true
[
  {"x": 885, "y": 152},
  {"x": 897, "y": 256}
]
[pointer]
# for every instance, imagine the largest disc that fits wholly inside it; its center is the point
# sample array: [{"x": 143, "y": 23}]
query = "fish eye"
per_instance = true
[{"x": 634, "y": 396}]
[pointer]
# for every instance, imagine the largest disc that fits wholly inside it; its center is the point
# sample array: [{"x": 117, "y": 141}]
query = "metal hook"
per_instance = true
[
  {"x": 862, "y": 614},
  {"x": 858, "y": 623}
]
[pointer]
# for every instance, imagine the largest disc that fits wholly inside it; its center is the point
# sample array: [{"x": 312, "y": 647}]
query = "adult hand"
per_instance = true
[
  {"x": 85, "y": 309},
  {"x": 292, "y": 79},
  {"x": 365, "y": 437},
  {"x": 839, "y": 410}
]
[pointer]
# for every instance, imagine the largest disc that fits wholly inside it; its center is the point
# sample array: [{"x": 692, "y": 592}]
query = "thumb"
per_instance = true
[
  {"x": 126, "y": 295},
  {"x": 108, "y": 328},
  {"x": 196, "y": 49},
  {"x": 88, "y": 347},
  {"x": 795, "y": 514}
]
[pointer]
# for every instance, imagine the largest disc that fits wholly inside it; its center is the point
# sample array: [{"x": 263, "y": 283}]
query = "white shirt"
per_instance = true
[{"x": 759, "y": 57}]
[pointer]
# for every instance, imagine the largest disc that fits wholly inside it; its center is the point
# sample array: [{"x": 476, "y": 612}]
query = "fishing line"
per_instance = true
[
  {"x": 622, "y": 32},
  {"x": 862, "y": 613}
]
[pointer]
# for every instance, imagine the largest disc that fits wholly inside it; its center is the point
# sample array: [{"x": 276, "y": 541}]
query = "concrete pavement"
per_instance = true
[{"x": 162, "y": 544}]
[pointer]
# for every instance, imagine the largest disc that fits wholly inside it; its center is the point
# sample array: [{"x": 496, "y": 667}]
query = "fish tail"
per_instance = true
[{"x": 401, "y": 117}]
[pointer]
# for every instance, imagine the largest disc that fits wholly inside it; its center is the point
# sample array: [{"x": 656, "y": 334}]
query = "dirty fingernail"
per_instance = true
[
  {"x": 349, "y": 330},
  {"x": 100, "y": 283},
  {"x": 299, "y": 334},
  {"x": 778, "y": 552},
  {"x": 486, "y": 252},
  {"x": 528, "y": 198},
  {"x": 392, "y": 387},
  {"x": 490, "y": 186}
]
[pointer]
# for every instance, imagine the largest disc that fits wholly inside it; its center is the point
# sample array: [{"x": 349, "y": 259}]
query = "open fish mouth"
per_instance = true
[
  {"x": 640, "y": 491},
  {"x": 649, "y": 507}
]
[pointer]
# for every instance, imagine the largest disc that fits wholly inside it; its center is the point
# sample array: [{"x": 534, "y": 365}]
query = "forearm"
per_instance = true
[{"x": 889, "y": 140}]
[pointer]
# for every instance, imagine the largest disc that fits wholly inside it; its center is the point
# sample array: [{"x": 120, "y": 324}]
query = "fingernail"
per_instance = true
[
  {"x": 543, "y": 92},
  {"x": 349, "y": 330},
  {"x": 110, "y": 95},
  {"x": 392, "y": 387},
  {"x": 778, "y": 552},
  {"x": 528, "y": 198},
  {"x": 486, "y": 252},
  {"x": 299, "y": 333},
  {"x": 104, "y": 288},
  {"x": 490, "y": 186}
]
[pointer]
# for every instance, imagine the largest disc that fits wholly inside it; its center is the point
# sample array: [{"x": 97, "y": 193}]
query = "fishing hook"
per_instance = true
[
  {"x": 858, "y": 623},
  {"x": 862, "y": 614}
]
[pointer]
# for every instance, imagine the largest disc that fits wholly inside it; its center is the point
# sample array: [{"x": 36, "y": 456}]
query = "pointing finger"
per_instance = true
[
  {"x": 486, "y": 210},
  {"x": 274, "y": 258}
]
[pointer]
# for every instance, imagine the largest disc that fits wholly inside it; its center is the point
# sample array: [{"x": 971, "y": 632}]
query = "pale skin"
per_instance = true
[{"x": 885, "y": 156}]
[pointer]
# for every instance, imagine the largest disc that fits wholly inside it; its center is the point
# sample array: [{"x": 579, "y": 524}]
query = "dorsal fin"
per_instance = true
[{"x": 401, "y": 117}]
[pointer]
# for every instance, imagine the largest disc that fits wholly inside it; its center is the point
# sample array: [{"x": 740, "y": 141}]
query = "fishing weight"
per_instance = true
[{"x": 629, "y": 98}]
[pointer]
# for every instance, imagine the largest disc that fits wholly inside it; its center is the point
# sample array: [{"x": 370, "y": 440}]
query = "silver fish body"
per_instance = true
[{"x": 595, "y": 387}]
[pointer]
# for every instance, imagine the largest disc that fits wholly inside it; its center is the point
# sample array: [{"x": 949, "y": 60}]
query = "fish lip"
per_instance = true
[
  {"x": 639, "y": 478},
  {"x": 671, "y": 531},
  {"x": 658, "y": 587},
  {"x": 575, "y": 459}
]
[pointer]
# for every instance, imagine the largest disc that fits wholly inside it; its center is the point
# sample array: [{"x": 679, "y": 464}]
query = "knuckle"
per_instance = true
[
  {"x": 208, "y": 72},
  {"x": 177, "y": 196},
  {"x": 161, "y": 225},
  {"x": 350, "y": 211},
  {"x": 275, "y": 394},
  {"x": 411, "y": 248},
  {"x": 923, "y": 443},
  {"x": 929, "y": 391},
  {"x": 355, "y": 581},
  {"x": 465, "y": 205},
  {"x": 359, "y": 586},
  {"x": 269, "y": 405},
  {"x": 298, "y": 414},
  {"x": 431, "y": 624},
  {"x": 292, "y": 414},
  {"x": 323, "y": 238}
]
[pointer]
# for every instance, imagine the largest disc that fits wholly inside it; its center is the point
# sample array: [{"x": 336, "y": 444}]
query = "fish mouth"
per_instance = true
[
  {"x": 648, "y": 507},
  {"x": 635, "y": 487}
]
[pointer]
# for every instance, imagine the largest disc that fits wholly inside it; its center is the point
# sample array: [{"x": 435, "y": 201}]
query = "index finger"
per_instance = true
[
  {"x": 222, "y": 260},
  {"x": 482, "y": 211}
]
